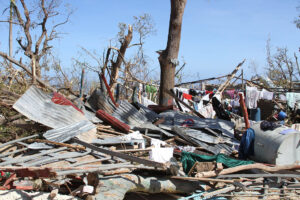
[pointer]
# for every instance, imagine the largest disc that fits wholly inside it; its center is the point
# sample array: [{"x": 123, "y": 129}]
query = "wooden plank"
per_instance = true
[
  {"x": 202, "y": 179},
  {"x": 248, "y": 167},
  {"x": 121, "y": 155}
]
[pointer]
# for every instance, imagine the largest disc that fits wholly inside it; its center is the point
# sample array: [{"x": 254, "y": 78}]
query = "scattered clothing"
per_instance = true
[
  {"x": 207, "y": 111},
  {"x": 266, "y": 126},
  {"x": 252, "y": 96},
  {"x": 161, "y": 155},
  {"x": 188, "y": 160},
  {"x": 293, "y": 99},
  {"x": 282, "y": 97},
  {"x": 230, "y": 93},
  {"x": 246, "y": 148},
  {"x": 157, "y": 143},
  {"x": 296, "y": 127},
  {"x": 187, "y": 96},
  {"x": 193, "y": 92},
  {"x": 265, "y": 94},
  {"x": 187, "y": 148},
  {"x": 220, "y": 111}
]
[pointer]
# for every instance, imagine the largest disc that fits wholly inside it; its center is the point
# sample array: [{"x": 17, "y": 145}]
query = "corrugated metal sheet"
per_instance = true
[
  {"x": 226, "y": 127},
  {"x": 28, "y": 158},
  {"x": 56, "y": 157},
  {"x": 128, "y": 114},
  {"x": 37, "y": 106},
  {"x": 149, "y": 114},
  {"x": 152, "y": 128},
  {"x": 38, "y": 146},
  {"x": 65, "y": 133}
]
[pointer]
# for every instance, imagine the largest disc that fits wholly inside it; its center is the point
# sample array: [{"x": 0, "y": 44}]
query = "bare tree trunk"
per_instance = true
[
  {"x": 168, "y": 57},
  {"x": 33, "y": 69},
  {"x": 121, "y": 53},
  {"x": 10, "y": 31}
]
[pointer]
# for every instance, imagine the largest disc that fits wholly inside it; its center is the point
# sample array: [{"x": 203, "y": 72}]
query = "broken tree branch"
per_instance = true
[{"x": 4, "y": 55}]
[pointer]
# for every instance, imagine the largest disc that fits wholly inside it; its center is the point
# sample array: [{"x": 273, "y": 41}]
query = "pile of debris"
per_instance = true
[{"x": 105, "y": 149}]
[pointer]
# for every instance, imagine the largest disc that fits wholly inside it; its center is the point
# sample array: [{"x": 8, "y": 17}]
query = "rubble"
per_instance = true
[{"x": 110, "y": 149}]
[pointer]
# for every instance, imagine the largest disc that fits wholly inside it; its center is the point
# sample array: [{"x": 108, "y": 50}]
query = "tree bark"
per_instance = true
[
  {"x": 121, "y": 53},
  {"x": 168, "y": 57},
  {"x": 10, "y": 30}
]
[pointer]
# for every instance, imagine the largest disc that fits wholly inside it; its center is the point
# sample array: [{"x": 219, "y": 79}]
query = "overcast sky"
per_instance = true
[{"x": 216, "y": 34}]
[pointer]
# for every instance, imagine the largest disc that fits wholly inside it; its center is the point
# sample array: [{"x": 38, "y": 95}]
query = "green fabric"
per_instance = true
[
  {"x": 188, "y": 160},
  {"x": 151, "y": 89}
]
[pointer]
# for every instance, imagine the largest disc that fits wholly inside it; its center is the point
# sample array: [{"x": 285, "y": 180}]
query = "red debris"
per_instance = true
[
  {"x": 61, "y": 100},
  {"x": 113, "y": 121}
]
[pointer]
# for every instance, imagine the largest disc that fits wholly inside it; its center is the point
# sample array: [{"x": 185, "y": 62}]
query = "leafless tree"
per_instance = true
[
  {"x": 282, "y": 69},
  {"x": 36, "y": 30}
]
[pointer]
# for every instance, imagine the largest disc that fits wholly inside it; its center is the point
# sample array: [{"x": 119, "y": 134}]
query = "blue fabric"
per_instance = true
[
  {"x": 246, "y": 148},
  {"x": 255, "y": 114},
  {"x": 287, "y": 131}
]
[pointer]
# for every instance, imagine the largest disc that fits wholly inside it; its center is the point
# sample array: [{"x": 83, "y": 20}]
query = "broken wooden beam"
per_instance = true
[
  {"x": 113, "y": 121},
  {"x": 121, "y": 155},
  {"x": 202, "y": 179},
  {"x": 247, "y": 167},
  {"x": 231, "y": 76},
  {"x": 244, "y": 110}
]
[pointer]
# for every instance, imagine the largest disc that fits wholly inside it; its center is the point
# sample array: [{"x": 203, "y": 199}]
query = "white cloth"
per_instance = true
[
  {"x": 235, "y": 103},
  {"x": 157, "y": 143},
  {"x": 265, "y": 94},
  {"x": 292, "y": 99},
  {"x": 207, "y": 111},
  {"x": 136, "y": 136},
  {"x": 187, "y": 148},
  {"x": 282, "y": 97},
  {"x": 161, "y": 155},
  {"x": 252, "y": 96},
  {"x": 146, "y": 102}
]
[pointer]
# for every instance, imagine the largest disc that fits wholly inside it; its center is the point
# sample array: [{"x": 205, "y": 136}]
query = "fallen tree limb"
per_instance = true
[
  {"x": 247, "y": 167},
  {"x": 5, "y": 56},
  {"x": 115, "y": 187}
]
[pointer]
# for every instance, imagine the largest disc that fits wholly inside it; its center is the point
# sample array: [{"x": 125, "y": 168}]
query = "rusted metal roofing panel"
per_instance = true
[{"x": 40, "y": 107}]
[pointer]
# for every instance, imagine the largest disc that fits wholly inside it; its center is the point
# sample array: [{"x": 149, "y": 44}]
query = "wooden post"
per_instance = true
[
  {"x": 81, "y": 84},
  {"x": 244, "y": 109}
]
